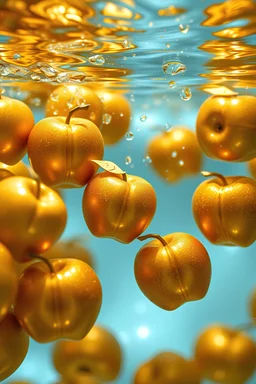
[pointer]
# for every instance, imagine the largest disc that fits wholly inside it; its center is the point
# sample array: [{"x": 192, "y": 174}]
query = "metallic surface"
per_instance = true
[
  {"x": 66, "y": 97},
  {"x": 8, "y": 281},
  {"x": 116, "y": 208},
  {"x": 32, "y": 216},
  {"x": 168, "y": 368},
  {"x": 172, "y": 275},
  {"x": 13, "y": 347},
  {"x": 117, "y": 109},
  {"x": 226, "y": 127},
  {"x": 225, "y": 355},
  {"x": 98, "y": 354},
  {"x": 226, "y": 214},
  {"x": 175, "y": 154},
  {"x": 69, "y": 249},
  {"x": 16, "y": 122},
  {"x": 60, "y": 153},
  {"x": 64, "y": 304}
]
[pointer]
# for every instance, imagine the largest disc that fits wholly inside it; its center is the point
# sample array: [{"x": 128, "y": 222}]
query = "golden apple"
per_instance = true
[
  {"x": 16, "y": 122},
  {"x": 175, "y": 154},
  {"x": 225, "y": 355},
  {"x": 60, "y": 150},
  {"x": 116, "y": 116},
  {"x": 98, "y": 354},
  {"x": 19, "y": 169},
  {"x": 224, "y": 209},
  {"x": 168, "y": 368},
  {"x": 8, "y": 281},
  {"x": 13, "y": 347},
  {"x": 226, "y": 127},
  {"x": 62, "y": 303},
  {"x": 32, "y": 217},
  {"x": 69, "y": 249},
  {"x": 172, "y": 270},
  {"x": 66, "y": 97},
  {"x": 252, "y": 167},
  {"x": 117, "y": 206}
]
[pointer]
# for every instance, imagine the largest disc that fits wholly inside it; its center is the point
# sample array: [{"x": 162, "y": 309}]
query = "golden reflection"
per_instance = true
[{"x": 171, "y": 11}]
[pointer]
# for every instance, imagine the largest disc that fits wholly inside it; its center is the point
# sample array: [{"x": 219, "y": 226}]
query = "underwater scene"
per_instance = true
[{"x": 127, "y": 192}]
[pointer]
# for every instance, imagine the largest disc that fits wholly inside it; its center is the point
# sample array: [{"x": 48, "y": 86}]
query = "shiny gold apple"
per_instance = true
[
  {"x": 225, "y": 355},
  {"x": 19, "y": 169},
  {"x": 66, "y": 97},
  {"x": 175, "y": 154},
  {"x": 224, "y": 209},
  {"x": 32, "y": 216},
  {"x": 168, "y": 368},
  {"x": 117, "y": 206},
  {"x": 16, "y": 122},
  {"x": 13, "y": 347},
  {"x": 226, "y": 127},
  {"x": 8, "y": 281},
  {"x": 69, "y": 249},
  {"x": 60, "y": 304},
  {"x": 98, "y": 354},
  {"x": 252, "y": 167},
  {"x": 172, "y": 270},
  {"x": 60, "y": 150},
  {"x": 116, "y": 116}
]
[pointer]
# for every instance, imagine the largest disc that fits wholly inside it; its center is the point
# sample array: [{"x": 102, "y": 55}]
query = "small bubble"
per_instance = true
[
  {"x": 125, "y": 58},
  {"x": 174, "y": 154},
  {"x": 127, "y": 160},
  {"x": 143, "y": 118},
  {"x": 129, "y": 136},
  {"x": 92, "y": 116},
  {"x": 174, "y": 68},
  {"x": 134, "y": 55},
  {"x": 80, "y": 102},
  {"x": 71, "y": 102},
  {"x": 35, "y": 101},
  {"x": 150, "y": 24},
  {"x": 147, "y": 160},
  {"x": 16, "y": 56},
  {"x": 127, "y": 44},
  {"x": 184, "y": 28},
  {"x": 186, "y": 94},
  {"x": 121, "y": 114},
  {"x": 35, "y": 77},
  {"x": 168, "y": 45},
  {"x": 183, "y": 147},
  {"x": 167, "y": 127},
  {"x": 2, "y": 90},
  {"x": 106, "y": 118},
  {"x": 54, "y": 96},
  {"x": 172, "y": 84},
  {"x": 132, "y": 98},
  {"x": 55, "y": 112},
  {"x": 181, "y": 163},
  {"x": 97, "y": 60}
]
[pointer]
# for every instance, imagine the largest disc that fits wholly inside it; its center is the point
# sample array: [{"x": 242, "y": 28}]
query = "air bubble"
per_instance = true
[
  {"x": 129, "y": 136},
  {"x": 132, "y": 98},
  {"x": 174, "y": 68},
  {"x": 54, "y": 96},
  {"x": 35, "y": 101},
  {"x": 97, "y": 60},
  {"x": 127, "y": 44},
  {"x": 186, "y": 94},
  {"x": 125, "y": 57},
  {"x": 92, "y": 116},
  {"x": 147, "y": 160},
  {"x": 183, "y": 147},
  {"x": 143, "y": 118},
  {"x": 16, "y": 56},
  {"x": 174, "y": 154},
  {"x": 55, "y": 112},
  {"x": 168, "y": 45},
  {"x": 127, "y": 160},
  {"x": 106, "y": 118},
  {"x": 4, "y": 70},
  {"x": 172, "y": 84},
  {"x": 71, "y": 102},
  {"x": 181, "y": 163},
  {"x": 184, "y": 28},
  {"x": 121, "y": 114},
  {"x": 167, "y": 127}
]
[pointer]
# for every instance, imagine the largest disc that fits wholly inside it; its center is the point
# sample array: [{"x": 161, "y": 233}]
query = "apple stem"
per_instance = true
[
  {"x": 46, "y": 261},
  {"x": 124, "y": 175},
  {"x": 154, "y": 236},
  {"x": 74, "y": 110},
  {"x": 218, "y": 175},
  {"x": 38, "y": 189}
]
